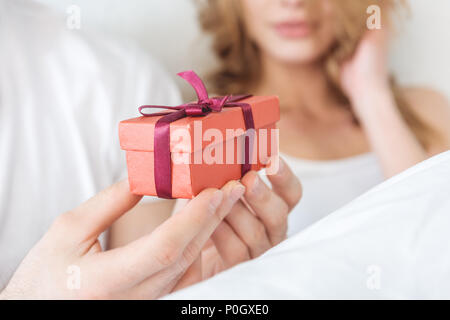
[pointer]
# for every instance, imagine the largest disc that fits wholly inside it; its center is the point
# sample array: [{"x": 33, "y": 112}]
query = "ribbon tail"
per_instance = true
[
  {"x": 162, "y": 156},
  {"x": 249, "y": 124},
  {"x": 238, "y": 97}
]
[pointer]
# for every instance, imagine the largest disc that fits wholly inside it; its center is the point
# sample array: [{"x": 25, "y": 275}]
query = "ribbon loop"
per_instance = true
[
  {"x": 204, "y": 106},
  {"x": 194, "y": 80}
]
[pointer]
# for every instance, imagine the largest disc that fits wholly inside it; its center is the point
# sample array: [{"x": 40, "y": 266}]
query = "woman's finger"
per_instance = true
[
  {"x": 286, "y": 184},
  {"x": 267, "y": 205}
]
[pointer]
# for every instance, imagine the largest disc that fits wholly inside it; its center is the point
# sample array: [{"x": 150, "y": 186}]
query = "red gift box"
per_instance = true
[{"x": 199, "y": 145}]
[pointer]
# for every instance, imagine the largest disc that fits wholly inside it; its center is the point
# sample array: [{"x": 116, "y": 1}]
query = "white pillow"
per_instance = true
[{"x": 391, "y": 243}]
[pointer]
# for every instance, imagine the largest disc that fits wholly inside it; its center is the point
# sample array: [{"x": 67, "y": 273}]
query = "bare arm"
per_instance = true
[
  {"x": 391, "y": 138},
  {"x": 389, "y": 135},
  {"x": 365, "y": 80},
  {"x": 434, "y": 109}
]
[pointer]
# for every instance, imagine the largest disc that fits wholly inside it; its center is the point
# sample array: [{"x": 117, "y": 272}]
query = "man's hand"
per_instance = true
[
  {"x": 255, "y": 224},
  {"x": 68, "y": 262}
]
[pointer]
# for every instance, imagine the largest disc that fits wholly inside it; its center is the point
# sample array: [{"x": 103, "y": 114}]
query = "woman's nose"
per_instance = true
[{"x": 293, "y": 3}]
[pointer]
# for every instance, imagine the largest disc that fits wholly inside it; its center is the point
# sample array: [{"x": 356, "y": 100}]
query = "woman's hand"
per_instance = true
[
  {"x": 68, "y": 262},
  {"x": 255, "y": 224},
  {"x": 366, "y": 72},
  {"x": 365, "y": 81}
]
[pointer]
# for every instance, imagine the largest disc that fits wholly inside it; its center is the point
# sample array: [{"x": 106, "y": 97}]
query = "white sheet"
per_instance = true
[{"x": 391, "y": 243}]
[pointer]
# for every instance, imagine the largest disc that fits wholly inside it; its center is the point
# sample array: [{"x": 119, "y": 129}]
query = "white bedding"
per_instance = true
[{"x": 391, "y": 243}]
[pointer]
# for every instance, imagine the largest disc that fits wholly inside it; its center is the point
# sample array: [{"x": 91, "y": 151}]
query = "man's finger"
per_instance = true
[
  {"x": 94, "y": 216},
  {"x": 163, "y": 247},
  {"x": 230, "y": 247},
  {"x": 171, "y": 242},
  {"x": 267, "y": 205},
  {"x": 286, "y": 184},
  {"x": 192, "y": 275},
  {"x": 233, "y": 191},
  {"x": 249, "y": 228}
]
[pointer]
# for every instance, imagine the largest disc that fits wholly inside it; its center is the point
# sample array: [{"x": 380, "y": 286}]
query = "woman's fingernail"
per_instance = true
[
  {"x": 237, "y": 192},
  {"x": 216, "y": 200}
]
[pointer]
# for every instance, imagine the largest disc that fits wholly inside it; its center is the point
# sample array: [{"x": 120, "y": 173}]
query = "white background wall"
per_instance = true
[{"x": 168, "y": 30}]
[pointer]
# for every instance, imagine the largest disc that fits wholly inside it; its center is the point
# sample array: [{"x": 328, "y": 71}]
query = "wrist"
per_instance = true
[
  {"x": 368, "y": 91},
  {"x": 378, "y": 100}
]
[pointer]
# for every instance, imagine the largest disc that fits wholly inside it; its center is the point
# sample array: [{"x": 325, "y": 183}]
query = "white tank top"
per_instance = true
[{"x": 330, "y": 184}]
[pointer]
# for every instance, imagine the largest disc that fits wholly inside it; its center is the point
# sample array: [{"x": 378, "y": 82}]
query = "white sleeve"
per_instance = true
[{"x": 390, "y": 243}]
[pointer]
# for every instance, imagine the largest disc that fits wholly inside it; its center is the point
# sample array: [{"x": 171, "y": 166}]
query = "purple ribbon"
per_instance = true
[{"x": 203, "y": 107}]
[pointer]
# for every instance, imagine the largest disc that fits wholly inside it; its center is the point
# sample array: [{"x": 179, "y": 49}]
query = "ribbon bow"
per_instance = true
[{"x": 204, "y": 106}]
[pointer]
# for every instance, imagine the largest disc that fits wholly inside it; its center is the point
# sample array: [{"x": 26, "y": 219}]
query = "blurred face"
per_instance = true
[{"x": 284, "y": 31}]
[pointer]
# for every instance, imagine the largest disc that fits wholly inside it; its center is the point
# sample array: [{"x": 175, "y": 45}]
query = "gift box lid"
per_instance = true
[{"x": 137, "y": 134}]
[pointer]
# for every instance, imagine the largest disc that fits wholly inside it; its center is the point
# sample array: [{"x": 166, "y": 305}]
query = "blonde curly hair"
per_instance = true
[{"x": 239, "y": 60}]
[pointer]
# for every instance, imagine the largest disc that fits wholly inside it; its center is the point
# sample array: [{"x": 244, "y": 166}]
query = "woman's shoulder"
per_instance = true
[
  {"x": 433, "y": 108},
  {"x": 417, "y": 96}
]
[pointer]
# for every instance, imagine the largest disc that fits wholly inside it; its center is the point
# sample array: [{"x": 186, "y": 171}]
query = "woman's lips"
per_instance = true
[{"x": 293, "y": 29}]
